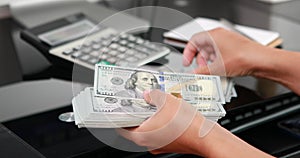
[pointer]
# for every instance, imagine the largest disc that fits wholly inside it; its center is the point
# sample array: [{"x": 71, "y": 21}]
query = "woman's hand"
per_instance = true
[
  {"x": 178, "y": 128},
  {"x": 222, "y": 52},
  {"x": 172, "y": 129}
]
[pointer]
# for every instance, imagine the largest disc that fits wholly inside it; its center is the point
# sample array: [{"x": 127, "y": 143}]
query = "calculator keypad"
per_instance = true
[{"x": 121, "y": 50}]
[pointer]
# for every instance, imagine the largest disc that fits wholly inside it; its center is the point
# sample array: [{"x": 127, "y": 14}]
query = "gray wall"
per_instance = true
[{"x": 280, "y": 17}]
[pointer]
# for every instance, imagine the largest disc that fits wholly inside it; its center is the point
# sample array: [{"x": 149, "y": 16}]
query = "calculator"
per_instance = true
[{"x": 79, "y": 40}]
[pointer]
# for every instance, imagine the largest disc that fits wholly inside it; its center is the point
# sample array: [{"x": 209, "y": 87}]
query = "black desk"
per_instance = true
[
  {"x": 46, "y": 135},
  {"x": 43, "y": 135},
  {"x": 51, "y": 137},
  {"x": 54, "y": 138}
]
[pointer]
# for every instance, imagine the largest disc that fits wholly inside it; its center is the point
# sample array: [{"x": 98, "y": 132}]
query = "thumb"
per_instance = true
[{"x": 155, "y": 97}]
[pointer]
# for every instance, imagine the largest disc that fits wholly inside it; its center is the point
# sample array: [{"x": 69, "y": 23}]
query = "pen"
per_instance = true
[{"x": 231, "y": 26}]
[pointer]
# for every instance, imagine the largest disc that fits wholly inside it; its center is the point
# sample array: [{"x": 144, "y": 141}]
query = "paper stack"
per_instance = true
[{"x": 116, "y": 99}]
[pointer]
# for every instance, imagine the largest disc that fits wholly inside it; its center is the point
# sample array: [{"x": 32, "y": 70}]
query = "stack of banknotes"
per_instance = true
[{"x": 116, "y": 100}]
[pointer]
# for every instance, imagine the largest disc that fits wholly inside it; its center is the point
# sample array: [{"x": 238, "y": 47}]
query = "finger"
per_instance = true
[
  {"x": 189, "y": 53},
  {"x": 212, "y": 57},
  {"x": 207, "y": 52},
  {"x": 201, "y": 61},
  {"x": 198, "y": 42},
  {"x": 155, "y": 97}
]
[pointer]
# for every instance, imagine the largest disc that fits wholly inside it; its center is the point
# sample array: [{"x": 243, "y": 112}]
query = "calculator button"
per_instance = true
[
  {"x": 132, "y": 59},
  {"x": 113, "y": 53},
  {"x": 68, "y": 52},
  {"x": 112, "y": 60},
  {"x": 123, "y": 42},
  {"x": 140, "y": 41},
  {"x": 143, "y": 49},
  {"x": 130, "y": 52},
  {"x": 84, "y": 57},
  {"x": 121, "y": 56},
  {"x": 93, "y": 61},
  {"x": 87, "y": 43},
  {"x": 124, "y": 36},
  {"x": 105, "y": 42},
  {"x": 141, "y": 55},
  {"x": 76, "y": 54},
  {"x": 122, "y": 63},
  {"x": 122, "y": 49},
  {"x": 150, "y": 45},
  {"x": 104, "y": 56},
  {"x": 154, "y": 46},
  {"x": 96, "y": 46},
  {"x": 77, "y": 48},
  {"x": 131, "y": 38},
  {"x": 114, "y": 46},
  {"x": 86, "y": 50},
  {"x": 95, "y": 53},
  {"x": 131, "y": 45},
  {"x": 105, "y": 50}
]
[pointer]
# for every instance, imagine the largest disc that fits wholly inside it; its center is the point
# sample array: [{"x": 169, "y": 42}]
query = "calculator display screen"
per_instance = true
[{"x": 68, "y": 33}]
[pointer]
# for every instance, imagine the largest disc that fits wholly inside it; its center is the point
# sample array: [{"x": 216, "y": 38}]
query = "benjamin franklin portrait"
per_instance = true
[{"x": 138, "y": 83}]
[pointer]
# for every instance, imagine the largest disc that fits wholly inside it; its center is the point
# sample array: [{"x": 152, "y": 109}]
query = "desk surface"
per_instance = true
[
  {"x": 54, "y": 138},
  {"x": 43, "y": 134},
  {"x": 48, "y": 136}
]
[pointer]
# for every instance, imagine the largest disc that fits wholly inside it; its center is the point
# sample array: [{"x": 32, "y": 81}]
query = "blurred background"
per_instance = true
[
  {"x": 31, "y": 86},
  {"x": 275, "y": 15}
]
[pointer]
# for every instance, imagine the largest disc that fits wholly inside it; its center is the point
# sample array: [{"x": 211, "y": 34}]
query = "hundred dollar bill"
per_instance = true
[
  {"x": 140, "y": 108},
  {"x": 109, "y": 111},
  {"x": 131, "y": 83}
]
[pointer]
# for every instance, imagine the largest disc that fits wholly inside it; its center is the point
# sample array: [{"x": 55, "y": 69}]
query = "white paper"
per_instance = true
[{"x": 200, "y": 24}]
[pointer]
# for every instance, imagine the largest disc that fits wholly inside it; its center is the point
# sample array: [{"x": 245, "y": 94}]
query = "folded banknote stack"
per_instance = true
[{"x": 116, "y": 100}]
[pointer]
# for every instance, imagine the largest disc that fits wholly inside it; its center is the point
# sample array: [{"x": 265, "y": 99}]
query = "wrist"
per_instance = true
[
  {"x": 259, "y": 60},
  {"x": 201, "y": 145},
  {"x": 280, "y": 66},
  {"x": 270, "y": 65}
]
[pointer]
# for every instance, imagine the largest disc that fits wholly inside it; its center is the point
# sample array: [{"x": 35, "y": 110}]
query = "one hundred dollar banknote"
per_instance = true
[
  {"x": 131, "y": 83},
  {"x": 111, "y": 112}
]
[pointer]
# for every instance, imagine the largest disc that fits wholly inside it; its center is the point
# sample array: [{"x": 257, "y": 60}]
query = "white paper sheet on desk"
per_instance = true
[{"x": 184, "y": 32}]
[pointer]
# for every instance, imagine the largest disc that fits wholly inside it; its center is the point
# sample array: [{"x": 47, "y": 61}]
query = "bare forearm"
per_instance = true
[
  {"x": 221, "y": 143},
  {"x": 280, "y": 66}
]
